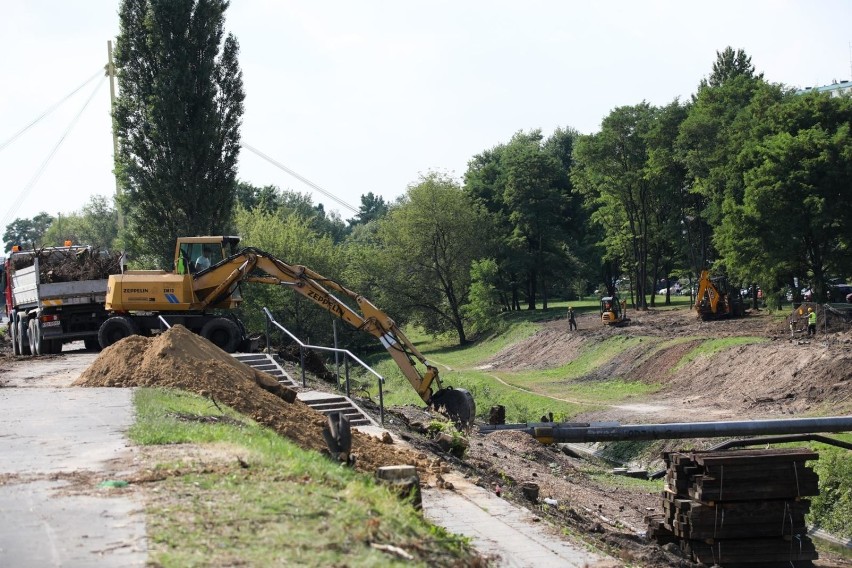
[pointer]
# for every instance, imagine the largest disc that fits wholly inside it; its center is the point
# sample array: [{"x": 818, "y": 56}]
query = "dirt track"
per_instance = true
[{"x": 782, "y": 374}]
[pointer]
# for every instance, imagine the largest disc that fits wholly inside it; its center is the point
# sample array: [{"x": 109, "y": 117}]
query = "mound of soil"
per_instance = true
[
  {"x": 784, "y": 372},
  {"x": 180, "y": 359}
]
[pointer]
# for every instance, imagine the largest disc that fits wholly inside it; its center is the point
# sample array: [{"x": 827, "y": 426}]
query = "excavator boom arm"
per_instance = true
[{"x": 242, "y": 267}]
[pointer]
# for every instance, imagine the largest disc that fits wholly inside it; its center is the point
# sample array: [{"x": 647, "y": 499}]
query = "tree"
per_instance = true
[
  {"x": 252, "y": 198},
  {"x": 667, "y": 243},
  {"x": 177, "y": 118},
  {"x": 728, "y": 65},
  {"x": 525, "y": 185},
  {"x": 27, "y": 233},
  {"x": 483, "y": 307},
  {"x": 793, "y": 218},
  {"x": 426, "y": 245},
  {"x": 708, "y": 144},
  {"x": 96, "y": 224},
  {"x": 611, "y": 171},
  {"x": 290, "y": 238},
  {"x": 372, "y": 207}
]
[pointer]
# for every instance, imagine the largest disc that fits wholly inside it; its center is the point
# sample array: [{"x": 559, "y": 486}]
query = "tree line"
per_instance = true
[{"x": 747, "y": 179}]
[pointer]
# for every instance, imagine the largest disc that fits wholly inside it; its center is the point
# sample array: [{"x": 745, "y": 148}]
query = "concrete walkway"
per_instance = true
[
  {"x": 500, "y": 529},
  {"x": 58, "y": 445}
]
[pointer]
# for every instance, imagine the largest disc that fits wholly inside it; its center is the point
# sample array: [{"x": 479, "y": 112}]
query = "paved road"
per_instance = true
[{"x": 58, "y": 445}]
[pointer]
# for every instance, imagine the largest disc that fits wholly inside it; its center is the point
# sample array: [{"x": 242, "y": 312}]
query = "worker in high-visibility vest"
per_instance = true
[{"x": 812, "y": 317}]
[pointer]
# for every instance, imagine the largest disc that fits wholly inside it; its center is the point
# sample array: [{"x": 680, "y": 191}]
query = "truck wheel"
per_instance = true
[
  {"x": 223, "y": 333},
  {"x": 92, "y": 344},
  {"x": 23, "y": 342},
  {"x": 13, "y": 334},
  {"x": 115, "y": 329},
  {"x": 34, "y": 336},
  {"x": 51, "y": 346}
]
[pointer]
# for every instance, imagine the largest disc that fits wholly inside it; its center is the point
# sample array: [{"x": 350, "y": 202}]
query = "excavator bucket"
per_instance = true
[{"x": 457, "y": 404}]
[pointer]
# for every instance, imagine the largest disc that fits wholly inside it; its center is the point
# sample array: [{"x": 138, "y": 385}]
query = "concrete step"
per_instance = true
[
  {"x": 328, "y": 404},
  {"x": 267, "y": 364},
  {"x": 321, "y": 402}
]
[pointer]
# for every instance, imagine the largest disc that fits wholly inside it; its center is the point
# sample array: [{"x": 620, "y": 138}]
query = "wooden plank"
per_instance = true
[
  {"x": 769, "y": 471},
  {"x": 714, "y": 495},
  {"x": 748, "y": 532},
  {"x": 778, "y": 507},
  {"x": 763, "y": 456}
]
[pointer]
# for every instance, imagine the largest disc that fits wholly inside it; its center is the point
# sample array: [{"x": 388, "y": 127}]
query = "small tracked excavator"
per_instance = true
[
  {"x": 613, "y": 311},
  {"x": 207, "y": 275}
]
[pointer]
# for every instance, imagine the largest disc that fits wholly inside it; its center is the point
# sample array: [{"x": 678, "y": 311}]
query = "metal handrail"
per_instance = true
[
  {"x": 164, "y": 322},
  {"x": 347, "y": 354}
]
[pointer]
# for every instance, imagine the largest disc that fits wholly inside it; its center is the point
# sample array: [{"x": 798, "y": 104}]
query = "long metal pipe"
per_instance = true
[{"x": 553, "y": 432}]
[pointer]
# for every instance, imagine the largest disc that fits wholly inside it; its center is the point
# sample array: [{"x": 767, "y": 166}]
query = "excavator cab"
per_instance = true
[{"x": 196, "y": 254}]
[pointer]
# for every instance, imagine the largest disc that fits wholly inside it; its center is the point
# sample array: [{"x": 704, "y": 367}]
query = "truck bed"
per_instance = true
[{"x": 28, "y": 292}]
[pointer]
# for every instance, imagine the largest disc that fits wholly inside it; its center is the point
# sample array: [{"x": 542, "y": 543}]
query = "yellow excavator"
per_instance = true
[
  {"x": 613, "y": 311},
  {"x": 207, "y": 274},
  {"x": 717, "y": 299}
]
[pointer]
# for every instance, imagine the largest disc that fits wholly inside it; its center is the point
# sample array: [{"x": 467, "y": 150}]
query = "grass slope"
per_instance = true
[{"x": 262, "y": 501}]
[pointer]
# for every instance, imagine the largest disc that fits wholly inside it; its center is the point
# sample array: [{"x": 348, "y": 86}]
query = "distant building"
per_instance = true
[{"x": 835, "y": 89}]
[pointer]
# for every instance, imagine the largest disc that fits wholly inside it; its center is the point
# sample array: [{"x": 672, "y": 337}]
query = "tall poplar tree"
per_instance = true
[{"x": 177, "y": 117}]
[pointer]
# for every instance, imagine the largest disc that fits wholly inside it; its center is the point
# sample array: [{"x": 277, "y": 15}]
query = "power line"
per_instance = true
[
  {"x": 304, "y": 180},
  {"x": 49, "y": 110},
  {"x": 22, "y": 195}
]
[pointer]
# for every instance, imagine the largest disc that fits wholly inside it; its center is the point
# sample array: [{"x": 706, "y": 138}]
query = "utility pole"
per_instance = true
[{"x": 110, "y": 71}]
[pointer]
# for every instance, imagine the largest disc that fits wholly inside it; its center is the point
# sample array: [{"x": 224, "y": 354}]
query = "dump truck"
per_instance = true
[
  {"x": 207, "y": 275},
  {"x": 717, "y": 299},
  {"x": 55, "y": 295}
]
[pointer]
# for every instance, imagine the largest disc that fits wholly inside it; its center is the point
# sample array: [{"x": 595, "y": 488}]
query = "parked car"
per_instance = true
[{"x": 840, "y": 292}]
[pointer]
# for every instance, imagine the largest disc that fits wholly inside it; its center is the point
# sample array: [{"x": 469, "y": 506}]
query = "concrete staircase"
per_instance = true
[
  {"x": 268, "y": 364},
  {"x": 323, "y": 402}
]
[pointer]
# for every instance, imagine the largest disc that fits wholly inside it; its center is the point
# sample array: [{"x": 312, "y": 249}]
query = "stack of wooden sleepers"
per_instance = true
[{"x": 738, "y": 507}]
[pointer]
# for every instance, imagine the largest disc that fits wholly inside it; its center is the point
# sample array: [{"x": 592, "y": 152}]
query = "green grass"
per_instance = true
[
  {"x": 712, "y": 346},
  {"x": 283, "y": 507},
  {"x": 527, "y": 395}
]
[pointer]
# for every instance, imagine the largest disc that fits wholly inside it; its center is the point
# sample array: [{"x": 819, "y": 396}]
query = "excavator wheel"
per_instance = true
[{"x": 457, "y": 404}]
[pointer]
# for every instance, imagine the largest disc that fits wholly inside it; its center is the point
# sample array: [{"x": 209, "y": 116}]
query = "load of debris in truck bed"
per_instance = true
[{"x": 70, "y": 264}]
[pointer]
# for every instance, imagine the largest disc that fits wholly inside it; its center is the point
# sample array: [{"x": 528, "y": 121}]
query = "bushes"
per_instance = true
[{"x": 831, "y": 510}]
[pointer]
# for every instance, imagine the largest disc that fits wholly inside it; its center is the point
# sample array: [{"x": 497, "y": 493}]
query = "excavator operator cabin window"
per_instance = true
[{"x": 200, "y": 256}]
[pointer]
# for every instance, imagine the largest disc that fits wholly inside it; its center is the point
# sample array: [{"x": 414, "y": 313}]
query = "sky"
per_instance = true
[{"x": 367, "y": 96}]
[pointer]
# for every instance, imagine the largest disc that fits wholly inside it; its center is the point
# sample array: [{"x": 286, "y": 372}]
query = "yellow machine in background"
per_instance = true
[
  {"x": 717, "y": 299},
  {"x": 208, "y": 271},
  {"x": 613, "y": 311}
]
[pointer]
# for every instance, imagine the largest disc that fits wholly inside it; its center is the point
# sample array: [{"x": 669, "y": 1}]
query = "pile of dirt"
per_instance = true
[
  {"x": 180, "y": 359},
  {"x": 830, "y": 319}
]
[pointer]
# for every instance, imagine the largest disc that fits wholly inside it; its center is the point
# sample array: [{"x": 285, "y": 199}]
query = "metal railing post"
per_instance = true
[
  {"x": 302, "y": 362},
  {"x": 336, "y": 356},
  {"x": 346, "y": 366},
  {"x": 381, "y": 402},
  {"x": 267, "y": 334}
]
